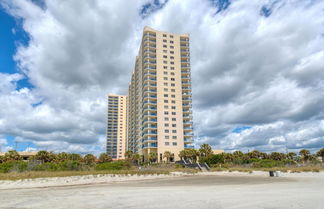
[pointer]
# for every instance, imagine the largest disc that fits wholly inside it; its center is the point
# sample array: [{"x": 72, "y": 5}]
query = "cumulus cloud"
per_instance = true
[{"x": 255, "y": 63}]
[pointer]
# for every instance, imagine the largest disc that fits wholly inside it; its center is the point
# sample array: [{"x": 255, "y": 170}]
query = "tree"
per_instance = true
[
  {"x": 205, "y": 150},
  {"x": 136, "y": 158},
  {"x": 63, "y": 156},
  {"x": 291, "y": 155},
  {"x": 104, "y": 158},
  {"x": 182, "y": 154},
  {"x": 167, "y": 155},
  {"x": 89, "y": 159},
  {"x": 254, "y": 154},
  {"x": 12, "y": 155},
  {"x": 277, "y": 156},
  {"x": 75, "y": 157},
  {"x": 320, "y": 153},
  {"x": 44, "y": 156},
  {"x": 215, "y": 159},
  {"x": 2, "y": 159},
  {"x": 153, "y": 156},
  {"x": 305, "y": 154},
  {"x": 129, "y": 154}
]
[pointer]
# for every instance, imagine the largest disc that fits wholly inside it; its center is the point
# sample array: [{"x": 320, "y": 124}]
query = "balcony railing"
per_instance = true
[{"x": 189, "y": 146}]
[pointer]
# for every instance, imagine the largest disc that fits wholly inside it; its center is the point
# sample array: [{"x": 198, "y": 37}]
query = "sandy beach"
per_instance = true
[{"x": 203, "y": 190}]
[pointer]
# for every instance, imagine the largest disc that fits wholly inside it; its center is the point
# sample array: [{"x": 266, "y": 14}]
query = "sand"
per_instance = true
[{"x": 205, "y": 190}]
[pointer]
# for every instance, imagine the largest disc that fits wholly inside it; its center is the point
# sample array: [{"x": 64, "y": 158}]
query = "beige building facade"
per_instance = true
[
  {"x": 116, "y": 126},
  {"x": 159, "y": 113}
]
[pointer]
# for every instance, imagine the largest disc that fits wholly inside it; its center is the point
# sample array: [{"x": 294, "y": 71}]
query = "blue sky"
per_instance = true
[
  {"x": 257, "y": 70},
  {"x": 12, "y": 36}
]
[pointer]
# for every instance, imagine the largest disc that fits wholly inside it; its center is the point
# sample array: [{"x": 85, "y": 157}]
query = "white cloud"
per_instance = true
[{"x": 247, "y": 69}]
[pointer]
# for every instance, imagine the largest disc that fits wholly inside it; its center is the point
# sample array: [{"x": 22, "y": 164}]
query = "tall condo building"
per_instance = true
[
  {"x": 159, "y": 116},
  {"x": 116, "y": 128}
]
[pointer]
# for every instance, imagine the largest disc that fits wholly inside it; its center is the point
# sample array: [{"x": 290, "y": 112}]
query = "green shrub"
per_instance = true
[
  {"x": 268, "y": 164},
  {"x": 214, "y": 159},
  {"x": 116, "y": 165},
  {"x": 13, "y": 166}
]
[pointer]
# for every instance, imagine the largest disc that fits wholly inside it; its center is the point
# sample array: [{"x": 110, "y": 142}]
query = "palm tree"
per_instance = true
[
  {"x": 104, "y": 158},
  {"x": 75, "y": 157},
  {"x": 291, "y": 155},
  {"x": 205, "y": 150},
  {"x": 136, "y": 158},
  {"x": 129, "y": 154},
  {"x": 305, "y": 154},
  {"x": 182, "y": 154},
  {"x": 167, "y": 155},
  {"x": 44, "y": 156},
  {"x": 277, "y": 156},
  {"x": 320, "y": 153},
  {"x": 153, "y": 156},
  {"x": 2, "y": 159},
  {"x": 63, "y": 156},
  {"x": 12, "y": 155},
  {"x": 89, "y": 159}
]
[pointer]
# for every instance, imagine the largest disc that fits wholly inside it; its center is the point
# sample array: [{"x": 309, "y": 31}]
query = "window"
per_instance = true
[
  {"x": 171, "y": 42},
  {"x": 166, "y": 125},
  {"x": 174, "y": 137},
  {"x": 171, "y": 36},
  {"x": 173, "y": 107},
  {"x": 164, "y": 46},
  {"x": 172, "y": 57},
  {"x": 172, "y": 63},
  {"x": 166, "y": 131},
  {"x": 172, "y": 84},
  {"x": 172, "y": 68},
  {"x": 172, "y": 90},
  {"x": 165, "y": 89},
  {"x": 174, "y": 125},
  {"x": 164, "y": 40},
  {"x": 165, "y": 72},
  {"x": 174, "y": 131},
  {"x": 166, "y": 119},
  {"x": 174, "y": 113},
  {"x": 166, "y": 95},
  {"x": 166, "y": 101},
  {"x": 172, "y": 79},
  {"x": 166, "y": 107},
  {"x": 164, "y": 56},
  {"x": 166, "y": 51},
  {"x": 165, "y": 62},
  {"x": 164, "y": 35},
  {"x": 174, "y": 119},
  {"x": 171, "y": 52},
  {"x": 172, "y": 47},
  {"x": 174, "y": 143},
  {"x": 165, "y": 84},
  {"x": 173, "y": 96},
  {"x": 167, "y": 143},
  {"x": 166, "y": 113},
  {"x": 165, "y": 67},
  {"x": 165, "y": 78},
  {"x": 172, "y": 73}
]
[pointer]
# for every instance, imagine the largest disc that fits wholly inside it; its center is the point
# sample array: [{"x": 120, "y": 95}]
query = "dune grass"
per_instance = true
[{"x": 293, "y": 169}]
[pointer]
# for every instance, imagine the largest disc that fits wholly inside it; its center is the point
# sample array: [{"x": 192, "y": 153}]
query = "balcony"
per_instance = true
[
  {"x": 185, "y": 77},
  {"x": 149, "y": 74},
  {"x": 149, "y": 68},
  {"x": 154, "y": 109},
  {"x": 185, "y": 66},
  {"x": 189, "y": 146},
  {"x": 188, "y": 128},
  {"x": 150, "y": 79},
  {"x": 149, "y": 133},
  {"x": 150, "y": 85},
  {"x": 186, "y": 99},
  {"x": 149, "y": 102},
  {"x": 149, "y": 127},
  {"x": 188, "y": 140},
  {"x": 149, "y": 120},
  {"x": 150, "y": 91},
  {"x": 184, "y": 51},
  {"x": 149, "y": 115},
  {"x": 150, "y": 62},
  {"x": 153, "y": 97},
  {"x": 185, "y": 83},
  {"x": 149, "y": 57},
  {"x": 149, "y": 51},
  {"x": 149, "y": 35},
  {"x": 187, "y": 110},
  {"x": 185, "y": 72},
  {"x": 150, "y": 40},
  {"x": 152, "y": 138},
  {"x": 149, "y": 145}
]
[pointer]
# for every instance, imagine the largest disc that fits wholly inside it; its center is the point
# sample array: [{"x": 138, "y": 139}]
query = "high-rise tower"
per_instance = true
[
  {"x": 116, "y": 128},
  {"x": 159, "y": 98}
]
